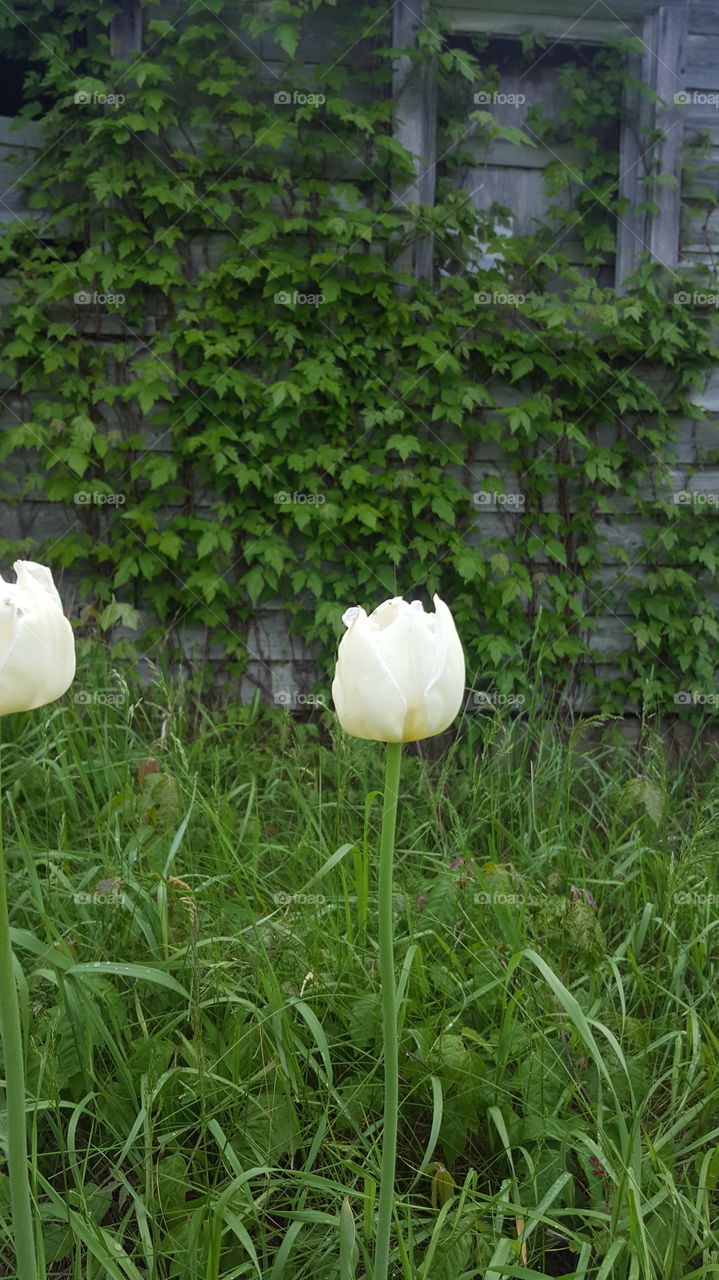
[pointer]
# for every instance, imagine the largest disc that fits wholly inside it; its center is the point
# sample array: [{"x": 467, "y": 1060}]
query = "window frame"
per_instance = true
[
  {"x": 662, "y": 29},
  {"x": 126, "y": 29}
]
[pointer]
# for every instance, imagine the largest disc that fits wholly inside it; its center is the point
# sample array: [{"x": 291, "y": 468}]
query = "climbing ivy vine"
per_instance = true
[{"x": 223, "y": 380}]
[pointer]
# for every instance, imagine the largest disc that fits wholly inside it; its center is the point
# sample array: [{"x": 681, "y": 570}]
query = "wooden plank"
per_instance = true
[
  {"x": 497, "y": 495},
  {"x": 662, "y": 67},
  {"x": 700, "y": 239},
  {"x": 669, "y": 80},
  {"x": 702, "y": 61},
  {"x": 523, "y": 192},
  {"x": 490, "y": 516},
  {"x": 17, "y": 157},
  {"x": 414, "y": 89},
  {"x": 325, "y": 37},
  {"x": 706, "y": 259},
  {"x": 700, "y": 193},
  {"x": 13, "y": 196},
  {"x": 700, "y": 116},
  {"x": 611, "y": 635},
  {"x": 708, "y": 398},
  {"x": 487, "y": 455},
  {"x": 629, "y": 536},
  {"x": 506, "y": 154},
  {"x": 523, "y": 84},
  {"x": 704, "y": 19},
  {"x": 126, "y": 30},
  {"x": 695, "y": 439},
  {"x": 43, "y": 521},
  {"x": 497, "y": 22},
  {"x": 18, "y": 154},
  {"x": 15, "y": 134},
  {"x": 621, "y": 10}
]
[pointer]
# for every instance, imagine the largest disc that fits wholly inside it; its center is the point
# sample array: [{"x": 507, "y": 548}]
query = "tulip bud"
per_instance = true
[
  {"x": 400, "y": 672},
  {"x": 37, "y": 645}
]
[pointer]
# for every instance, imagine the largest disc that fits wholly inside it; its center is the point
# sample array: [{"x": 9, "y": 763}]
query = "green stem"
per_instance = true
[
  {"x": 20, "y": 1201},
  {"x": 389, "y": 1012}
]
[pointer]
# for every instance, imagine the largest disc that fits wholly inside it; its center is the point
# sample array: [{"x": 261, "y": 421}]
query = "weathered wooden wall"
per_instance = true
[
  {"x": 512, "y": 176},
  {"x": 680, "y": 57}
]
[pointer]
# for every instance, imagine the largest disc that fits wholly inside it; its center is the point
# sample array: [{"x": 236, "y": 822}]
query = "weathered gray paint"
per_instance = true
[
  {"x": 414, "y": 91},
  {"x": 126, "y": 30},
  {"x": 682, "y": 52},
  {"x": 667, "y": 31}
]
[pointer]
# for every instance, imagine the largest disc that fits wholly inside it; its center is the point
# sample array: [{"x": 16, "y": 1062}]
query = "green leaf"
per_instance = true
[
  {"x": 149, "y": 392},
  {"x": 443, "y": 509},
  {"x": 254, "y": 583},
  {"x": 521, "y": 367},
  {"x": 287, "y": 37},
  {"x": 140, "y": 972},
  {"x": 405, "y": 445},
  {"x": 119, "y": 611},
  {"x": 556, "y": 551}
]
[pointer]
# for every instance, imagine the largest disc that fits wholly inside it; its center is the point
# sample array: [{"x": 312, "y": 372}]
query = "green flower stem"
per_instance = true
[
  {"x": 389, "y": 1012},
  {"x": 20, "y": 1201}
]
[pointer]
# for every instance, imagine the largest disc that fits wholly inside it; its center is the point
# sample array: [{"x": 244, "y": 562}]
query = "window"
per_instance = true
[
  {"x": 518, "y": 88},
  {"x": 651, "y": 134}
]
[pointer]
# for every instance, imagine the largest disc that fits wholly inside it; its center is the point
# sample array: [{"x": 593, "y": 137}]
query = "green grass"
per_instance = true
[{"x": 204, "y": 1052}]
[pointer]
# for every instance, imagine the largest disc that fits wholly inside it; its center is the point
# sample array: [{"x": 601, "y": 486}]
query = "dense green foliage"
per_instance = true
[
  {"x": 251, "y": 410},
  {"x": 196, "y": 921}
]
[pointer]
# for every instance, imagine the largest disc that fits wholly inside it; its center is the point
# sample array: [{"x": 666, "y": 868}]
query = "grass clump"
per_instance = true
[{"x": 194, "y": 908}]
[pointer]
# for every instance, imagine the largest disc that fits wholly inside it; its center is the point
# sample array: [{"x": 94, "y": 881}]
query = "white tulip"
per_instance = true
[
  {"x": 37, "y": 645},
  {"x": 400, "y": 672}
]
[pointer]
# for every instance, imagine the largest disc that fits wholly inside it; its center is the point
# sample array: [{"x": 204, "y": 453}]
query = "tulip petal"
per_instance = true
[
  {"x": 408, "y": 649},
  {"x": 368, "y": 701},
  {"x": 445, "y": 690},
  {"x": 31, "y": 577},
  {"x": 37, "y": 663},
  {"x": 400, "y": 673},
  {"x": 8, "y": 623}
]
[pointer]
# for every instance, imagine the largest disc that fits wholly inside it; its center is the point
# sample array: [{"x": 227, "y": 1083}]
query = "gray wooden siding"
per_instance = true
[
  {"x": 681, "y": 56},
  {"x": 280, "y": 664}
]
